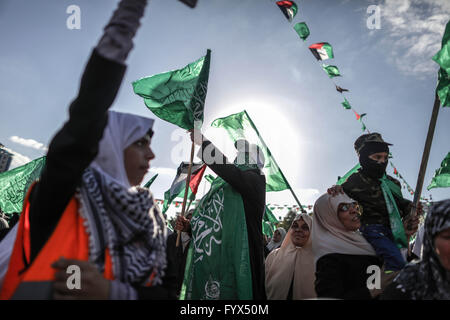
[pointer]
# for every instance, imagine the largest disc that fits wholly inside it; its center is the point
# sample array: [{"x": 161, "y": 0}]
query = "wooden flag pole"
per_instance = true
[
  {"x": 425, "y": 156},
  {"x": 188, "y": 179}
]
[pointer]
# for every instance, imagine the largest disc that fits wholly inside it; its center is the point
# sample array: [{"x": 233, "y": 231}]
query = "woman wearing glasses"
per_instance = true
[
  {"x": 290, "y": 269},
  {"x": 342, "y": 255}
]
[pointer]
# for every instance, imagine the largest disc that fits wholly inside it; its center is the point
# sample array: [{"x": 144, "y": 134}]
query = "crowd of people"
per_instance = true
[{"x": 88, "y": 210}]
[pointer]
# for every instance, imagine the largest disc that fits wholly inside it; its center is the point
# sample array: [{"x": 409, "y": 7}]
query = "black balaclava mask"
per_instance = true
[{"x": 371, "y": 167}]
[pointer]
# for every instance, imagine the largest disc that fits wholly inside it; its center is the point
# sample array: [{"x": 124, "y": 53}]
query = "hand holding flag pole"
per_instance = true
[{"x": 188, "y": 179}]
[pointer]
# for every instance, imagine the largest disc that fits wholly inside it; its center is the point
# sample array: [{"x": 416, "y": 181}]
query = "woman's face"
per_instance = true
[
  {"x": 137, "y": 158},
  {"x": 442, "y": 245},
  {"x": 348, "y": 214},
  {"x": 276, "y": 236},
  {"x": 300, "y": 233}
]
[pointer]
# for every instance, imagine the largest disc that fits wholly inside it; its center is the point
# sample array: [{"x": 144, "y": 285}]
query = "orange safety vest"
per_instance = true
[{"x": 68, "y": 240}]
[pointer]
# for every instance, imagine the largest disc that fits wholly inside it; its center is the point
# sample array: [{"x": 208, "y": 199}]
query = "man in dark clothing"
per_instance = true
[
  {"x": 365, "y": 186},
  {"x": 248, "y": 180},
  {"x": 176, "y": 260}
]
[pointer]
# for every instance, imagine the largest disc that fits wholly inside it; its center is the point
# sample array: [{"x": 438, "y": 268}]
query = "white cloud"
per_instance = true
[
  {"x": 164, "y": 171},
  {"x": 18, "y": 159},
  {"x": 415, "y": 32},
  {"x": 28, "y": 143}
]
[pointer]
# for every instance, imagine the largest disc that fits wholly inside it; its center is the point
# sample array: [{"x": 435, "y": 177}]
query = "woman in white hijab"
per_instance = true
[
  {"x": 277, "y": 239},
  {"x": 341, "y": 253},
  {"x": 87, "y": 206},
  {"x": 290, "y": 269}
]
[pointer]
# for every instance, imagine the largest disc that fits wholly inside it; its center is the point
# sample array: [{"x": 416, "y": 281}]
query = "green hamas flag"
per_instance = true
[
  {"x": 269, "y": 222},
  {"x": 149, "y": 183},
  {"x": 210, "y": 178},
  {"x": 177, "y": 96},
  {"x": 348, "y": 174},
  {"x": 240, "y": 126},
  {"x": 302, "y": 30},
  {"x": 218, "y": 261},
  {"x": 443, "y": 88},
  {"x": 14, "y": 185},
  {"x": 441, "y": 177},
  {"x": 332, "y": 71},
  {"x": 346, "y": 104},
  {"x": 443, "y": 56}
]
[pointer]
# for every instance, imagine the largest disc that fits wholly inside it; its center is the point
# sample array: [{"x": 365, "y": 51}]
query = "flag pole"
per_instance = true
[
  {"x": 188, "y": 179},
  {"x": 425, "y": 156},
  {"x": 282, "y": 174}
]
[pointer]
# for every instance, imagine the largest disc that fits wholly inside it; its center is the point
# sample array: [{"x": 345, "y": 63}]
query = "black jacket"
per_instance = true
[
  {"x": 344, "y": 276},
  {"x": 251, "y": 185}
]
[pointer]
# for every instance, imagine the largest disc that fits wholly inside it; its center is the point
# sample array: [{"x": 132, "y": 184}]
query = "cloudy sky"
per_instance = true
[{"x": 258, "y": 64}]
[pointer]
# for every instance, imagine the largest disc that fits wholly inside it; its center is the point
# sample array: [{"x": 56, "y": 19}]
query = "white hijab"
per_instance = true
[
  {"x": 291, "y": 263},
  {"x": 122, "y": 130},
  {"x": 329, "y": 234}
]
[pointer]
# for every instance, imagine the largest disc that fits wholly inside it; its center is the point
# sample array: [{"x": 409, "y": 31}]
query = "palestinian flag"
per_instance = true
[
  {"x": 346, "y": 104},
  {"x": 359, "y": 117},
  {"x": 395, "y": 171},
  {"x": 179, "y": 183},
  {"x": 302, "y": 30},
  {"x": 441, "y": 177},
  {"x": 322, "y": 50},
  {"x": 177, "y": 96},
  {"x": 332, "y": 71},
  {"x": 289, "y": 9}
]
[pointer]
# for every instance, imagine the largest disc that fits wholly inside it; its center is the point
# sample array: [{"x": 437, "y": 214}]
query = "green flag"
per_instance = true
[
  {"x": 240, "y": 126},
  {"x": 149, "y": 183},
  {"x": 302, "y": 30},
  {"x": 332, "y": 71},
  {"x": 177, "y": 96},
  {"x": 269, "y": 222},
  {"x": 443, "y": 56},
  {"x": 14, "y": 185},
  {"x": 218, "y": 261},
  {"x": 443, "y": 88},
  {"x": 348, "y": 174},
  {"x": 210, "y": 178},
  {"x": 346, "y": 104},
  {"x": 441, "y": 177}
]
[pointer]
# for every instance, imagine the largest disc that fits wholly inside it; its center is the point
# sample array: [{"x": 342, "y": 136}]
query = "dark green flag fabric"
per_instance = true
[
  {"x": 218, "y": 261},
  {"x": 240, "y": 126},
  {"x": 332, "y": 71},
  {"x": 302, "y": 30},
  {"x": 14, "y": 185},
  {"x": 269, "y": 222},
  {"x": 177, "y": 96},
  {"x": 443, "y": 56},
  {"x": 149, "y": 183},
  {"x": 348, "y": 174},
  {"x": 443, "y": 88},
  {"x": 441, "y": 177},
  {"x": 346, "y": 104}
]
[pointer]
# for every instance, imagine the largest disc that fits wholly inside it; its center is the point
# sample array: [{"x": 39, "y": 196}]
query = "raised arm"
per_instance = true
[{"x": 75, "y": 145}]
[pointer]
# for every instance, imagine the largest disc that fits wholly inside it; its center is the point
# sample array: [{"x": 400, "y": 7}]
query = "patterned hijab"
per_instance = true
[
  {"x": 119, "y": 217},
  {"x": 427, "y": 279}
]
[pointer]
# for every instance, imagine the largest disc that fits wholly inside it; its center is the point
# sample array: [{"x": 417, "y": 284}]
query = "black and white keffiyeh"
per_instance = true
[
  {"x": 128, "y": 223},
  {"x": 427, "y": 279}
]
